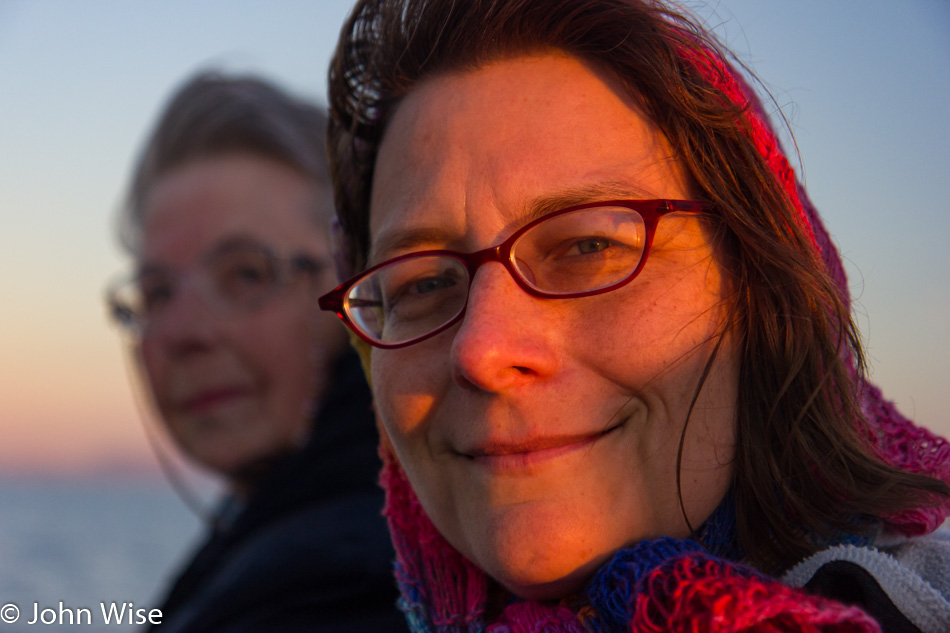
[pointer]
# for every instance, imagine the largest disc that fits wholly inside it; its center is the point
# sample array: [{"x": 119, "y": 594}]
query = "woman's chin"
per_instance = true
[
  {"x": 541, "y": 591},
  {"x": 547, "y": 579},
  {"x": 540, "y": 549}
]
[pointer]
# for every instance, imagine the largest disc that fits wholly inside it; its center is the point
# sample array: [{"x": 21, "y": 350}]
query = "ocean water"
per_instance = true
[{"x": 82, "y": 544}]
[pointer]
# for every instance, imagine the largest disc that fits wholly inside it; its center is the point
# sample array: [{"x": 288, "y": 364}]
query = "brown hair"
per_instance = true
[
  {"x": 803, "y": 470},
  {"x": 212, "y": 115}
]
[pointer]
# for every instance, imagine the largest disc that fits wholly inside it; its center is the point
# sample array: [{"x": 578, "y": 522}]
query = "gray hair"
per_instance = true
[{"x": 212, "y": 115}]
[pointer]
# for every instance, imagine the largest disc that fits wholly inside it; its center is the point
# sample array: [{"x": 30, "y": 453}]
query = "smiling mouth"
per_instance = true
[
  {"x": 523, "y": 455},
  {"x": 211, "y": 398}
]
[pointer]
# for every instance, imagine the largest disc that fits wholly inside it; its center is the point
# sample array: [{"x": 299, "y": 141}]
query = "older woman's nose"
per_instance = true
[
  {"x": 187, "y": 323},
  {"x": 504, "y": 340}
]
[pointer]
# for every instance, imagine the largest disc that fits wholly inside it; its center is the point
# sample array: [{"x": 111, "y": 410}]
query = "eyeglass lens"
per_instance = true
[
  {"x": 231, "y": 279},
  {"x": 585, "y": 250}
]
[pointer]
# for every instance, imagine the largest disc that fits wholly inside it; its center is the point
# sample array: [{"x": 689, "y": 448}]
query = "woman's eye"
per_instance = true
[
  {"x": 415, "y": 296},
  {"x": 249, "y": 274},
  {"x": 244, "y": 275},
  {"x": 155, "y": 294},
  {"x": 589, "y": 245},
  {"x": 244, "y": 280},
  {"x": 420, "y": 288},
  {"x": 431, "y": 284}
]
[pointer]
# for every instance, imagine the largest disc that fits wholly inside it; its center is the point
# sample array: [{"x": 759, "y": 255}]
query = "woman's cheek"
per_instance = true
[{"x": 406, "y": 390}]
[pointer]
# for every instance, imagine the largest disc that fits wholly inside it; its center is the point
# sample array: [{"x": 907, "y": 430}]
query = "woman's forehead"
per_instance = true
[
  {"x": 195, "y": 207},
  {"x": 485, "y": 148}
]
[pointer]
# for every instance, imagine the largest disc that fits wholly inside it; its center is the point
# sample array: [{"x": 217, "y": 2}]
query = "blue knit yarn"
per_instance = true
[
  {"x": 719, "y": 533},
  {"x": 412, "y": 601},
  {"x": 612, "y": 589}
]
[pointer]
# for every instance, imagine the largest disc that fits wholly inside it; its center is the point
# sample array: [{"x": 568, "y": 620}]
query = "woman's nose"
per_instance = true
[{"x": 505, "y": 339}]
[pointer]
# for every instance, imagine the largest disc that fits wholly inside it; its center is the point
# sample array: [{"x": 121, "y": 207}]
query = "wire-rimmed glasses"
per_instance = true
[
  {"x": 237, "y": 276},
  {"x": 579, "y": 251}
]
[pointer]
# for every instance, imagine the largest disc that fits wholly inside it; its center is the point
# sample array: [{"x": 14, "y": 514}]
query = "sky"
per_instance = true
[{"x": 865, "y": 86}]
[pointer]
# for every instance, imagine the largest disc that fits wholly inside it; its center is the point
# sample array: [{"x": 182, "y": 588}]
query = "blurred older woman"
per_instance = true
[{"x": 227, "y": 223}]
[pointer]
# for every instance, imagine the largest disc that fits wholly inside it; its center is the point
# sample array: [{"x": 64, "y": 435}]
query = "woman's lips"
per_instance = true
[
  {"x": 503, "y": 456},
  {"x": 208, "y": 399}
]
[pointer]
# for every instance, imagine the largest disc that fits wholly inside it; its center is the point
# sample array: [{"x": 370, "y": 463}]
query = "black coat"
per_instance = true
[{"x": 310, "y": 551}]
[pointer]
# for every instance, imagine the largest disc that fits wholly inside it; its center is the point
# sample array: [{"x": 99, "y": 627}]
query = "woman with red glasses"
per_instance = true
[{"x": 609, "y": 338}]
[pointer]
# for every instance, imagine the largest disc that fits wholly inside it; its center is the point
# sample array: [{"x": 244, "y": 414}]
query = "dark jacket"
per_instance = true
[{"x": 310, "y": 551}]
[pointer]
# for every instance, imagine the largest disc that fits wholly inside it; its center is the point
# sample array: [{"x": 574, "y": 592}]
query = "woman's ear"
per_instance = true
[{"x": 340, "y": 249}]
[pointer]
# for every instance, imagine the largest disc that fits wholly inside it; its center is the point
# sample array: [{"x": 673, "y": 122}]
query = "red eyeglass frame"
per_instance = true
[{"x": 650, "y": 210}]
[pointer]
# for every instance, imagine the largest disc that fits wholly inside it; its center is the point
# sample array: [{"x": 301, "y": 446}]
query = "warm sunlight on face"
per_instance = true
[
  {"x": 234, "y": 389},
  {"x": 541, "y": 435}
]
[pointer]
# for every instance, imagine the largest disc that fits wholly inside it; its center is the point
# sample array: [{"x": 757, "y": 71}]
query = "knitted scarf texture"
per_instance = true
[{"x": 663, "y": 585}]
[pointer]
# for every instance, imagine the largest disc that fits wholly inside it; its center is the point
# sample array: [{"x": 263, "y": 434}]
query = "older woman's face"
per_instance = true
[
  {"x": 541, "y": 435},
  {"x": 235, "y": 388}
]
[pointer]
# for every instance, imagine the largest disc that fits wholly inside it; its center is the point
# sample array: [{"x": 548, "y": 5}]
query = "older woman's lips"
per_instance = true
[
  {"x": 525, "y": 455},
  {"x": 211, "y": 398}
]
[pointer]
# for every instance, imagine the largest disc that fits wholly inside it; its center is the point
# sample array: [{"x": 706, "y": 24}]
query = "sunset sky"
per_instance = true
[{"x": 865, "y": 86}]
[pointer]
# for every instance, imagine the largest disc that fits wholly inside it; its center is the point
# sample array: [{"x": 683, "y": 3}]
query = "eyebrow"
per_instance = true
[
  {"x": 535, "y": 208},
  {"x": 608, "y": 190},
  {"x": 406, "y": 240}
]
